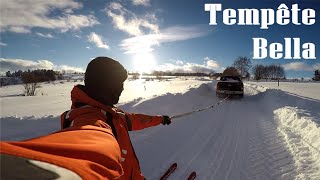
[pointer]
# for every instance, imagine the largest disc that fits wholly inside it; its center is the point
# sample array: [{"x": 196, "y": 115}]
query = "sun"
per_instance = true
[{"x": 144, "y": 62}]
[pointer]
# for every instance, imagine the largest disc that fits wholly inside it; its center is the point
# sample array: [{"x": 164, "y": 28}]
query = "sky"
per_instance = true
[{"x": 143, "y": 35}]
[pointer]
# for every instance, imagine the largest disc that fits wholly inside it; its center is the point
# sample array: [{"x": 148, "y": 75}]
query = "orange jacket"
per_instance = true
[{"x": 87, "y": 146}]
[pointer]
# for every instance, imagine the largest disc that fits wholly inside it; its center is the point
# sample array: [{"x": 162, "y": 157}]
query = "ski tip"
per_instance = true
[
  {"x": 171, "y": 169},
  {"x": 174, "y": 164},
  {"x": 192, "y": 176}
]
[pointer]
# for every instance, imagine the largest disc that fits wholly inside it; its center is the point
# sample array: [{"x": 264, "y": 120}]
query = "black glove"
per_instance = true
[{"x": 166, "y": 120}]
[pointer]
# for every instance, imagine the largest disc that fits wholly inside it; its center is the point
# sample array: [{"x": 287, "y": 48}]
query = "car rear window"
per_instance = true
[{"x": 230, "y": 78}]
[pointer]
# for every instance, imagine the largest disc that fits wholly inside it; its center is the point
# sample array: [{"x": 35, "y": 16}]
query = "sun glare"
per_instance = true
[{"x": 144, "y": 62}]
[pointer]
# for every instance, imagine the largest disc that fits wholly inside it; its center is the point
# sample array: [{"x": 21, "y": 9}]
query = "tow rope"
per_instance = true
[{"x": 198, "y": 110}]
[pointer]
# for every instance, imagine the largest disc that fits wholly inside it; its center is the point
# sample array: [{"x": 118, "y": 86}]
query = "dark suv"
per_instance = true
[{"x": 229, "y": 85}]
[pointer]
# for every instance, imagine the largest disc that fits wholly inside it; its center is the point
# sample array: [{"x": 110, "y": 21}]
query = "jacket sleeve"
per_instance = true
[
  {"x": 89, "y": 151},
  {"x": 141, "y": 121}
]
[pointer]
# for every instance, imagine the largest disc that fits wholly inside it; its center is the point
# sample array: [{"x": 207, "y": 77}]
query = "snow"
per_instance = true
[
  {"x": 53, "y": 99},
  {"x": 302, "y": 135},
  {"x": 304, "y": 89},
  {"x": 269, "y": 134}
]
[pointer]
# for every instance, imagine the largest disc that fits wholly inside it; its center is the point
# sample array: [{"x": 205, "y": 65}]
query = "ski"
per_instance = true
[
  {"x": 192, "y": 176},
  {"x": 171, "y": 169}
]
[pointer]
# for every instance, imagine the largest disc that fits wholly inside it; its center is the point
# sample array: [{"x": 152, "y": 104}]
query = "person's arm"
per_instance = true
[
  {"x": 141, "y": 121},
  {"x": 90, "y": 152}
]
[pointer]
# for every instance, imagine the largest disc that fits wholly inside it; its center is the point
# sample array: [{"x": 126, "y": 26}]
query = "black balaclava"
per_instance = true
[{"x": 104, "y": 79}]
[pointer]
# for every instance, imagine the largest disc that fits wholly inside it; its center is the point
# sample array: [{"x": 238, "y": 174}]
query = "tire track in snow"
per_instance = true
[
  {"x": 227, "y": 144},
  {"x": 276, "y": 161},
  {"x": 268, "y": 156},
  {"x": 218, "y": 157},
  {"x": 233, "y": 157},
  {"x": 306, "y": 164},
  {"x": 201, "y": 129},
  {"x": 234, "y": 153},
  {"x": 201, "y": 150},
  {"x": 214, "y": 158}
]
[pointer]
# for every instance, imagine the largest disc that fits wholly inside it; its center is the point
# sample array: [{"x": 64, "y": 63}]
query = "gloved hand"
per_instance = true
[{"x": 166, "y": 120}]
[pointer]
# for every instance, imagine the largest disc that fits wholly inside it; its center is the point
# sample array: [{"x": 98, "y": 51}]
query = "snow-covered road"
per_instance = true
[
  {"x": 240, "y": 139},
  {"x": 269, "y": 134}
]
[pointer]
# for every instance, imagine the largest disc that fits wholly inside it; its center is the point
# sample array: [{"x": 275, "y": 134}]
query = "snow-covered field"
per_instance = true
[
  {"x": 304, "y": 89},
  {"x": 269, "y": 134}
]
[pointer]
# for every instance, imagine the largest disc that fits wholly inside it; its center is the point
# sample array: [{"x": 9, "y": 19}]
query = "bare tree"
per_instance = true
[
  {"x": 30, "y": 84},
  {"x": 135, "y": 76},
  {"x": 258, "y": 71},
  {"x": 280, "y": 73},
  {"x": 243, "y": 65},
  {"x": 159, "y": 75},
  {"x": 268, "y": 72}
]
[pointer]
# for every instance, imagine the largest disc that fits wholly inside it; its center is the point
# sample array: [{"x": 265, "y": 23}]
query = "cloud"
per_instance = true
[
  {"x": 68, "y": 69},
  {"x": 22, "y": 16},
  {"x": 129, "y": 22},
  {"x": 182, "y": 67},
  {"x": 145, "y": 31},
  {"x": 77, "y": 36},
  {"x": 20, "y": 64},
  {"x": 301, "y": 66},
  {"x": 141, "y": 2},
  {"x": 97, "y": 40},
  {"x": 16, "y": 29},
  {"x": 212, "y": 63},
  {"x": 88, "y": 47},
  {"x": 179, "y": 62},
  {"x": 3, "y": 44},
  {"x": 146, "y": 43},
  {"x": 44, "y": 35}
]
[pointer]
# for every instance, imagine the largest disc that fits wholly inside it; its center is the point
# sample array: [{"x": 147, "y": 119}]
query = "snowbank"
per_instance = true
[
  {"x": 253, "y": 89},
  {"x": 302, "y": 134}
]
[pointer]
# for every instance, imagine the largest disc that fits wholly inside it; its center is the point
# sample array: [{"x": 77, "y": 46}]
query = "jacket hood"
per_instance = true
[{"x": 79, "y": 96}]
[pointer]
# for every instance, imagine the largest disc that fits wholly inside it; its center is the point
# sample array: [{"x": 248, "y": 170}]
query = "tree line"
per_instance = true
[
  {"x": 272, "y": 72},
  {"x": 168, "y": 73},
  {"x": 242, "y": 66},
  {"x": 31, "y": 79},
  {"x": 38, "y": 75}
]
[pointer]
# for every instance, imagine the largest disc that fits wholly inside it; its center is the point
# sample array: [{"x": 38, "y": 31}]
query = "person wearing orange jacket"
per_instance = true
[{"x": 94, "y": 142}]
